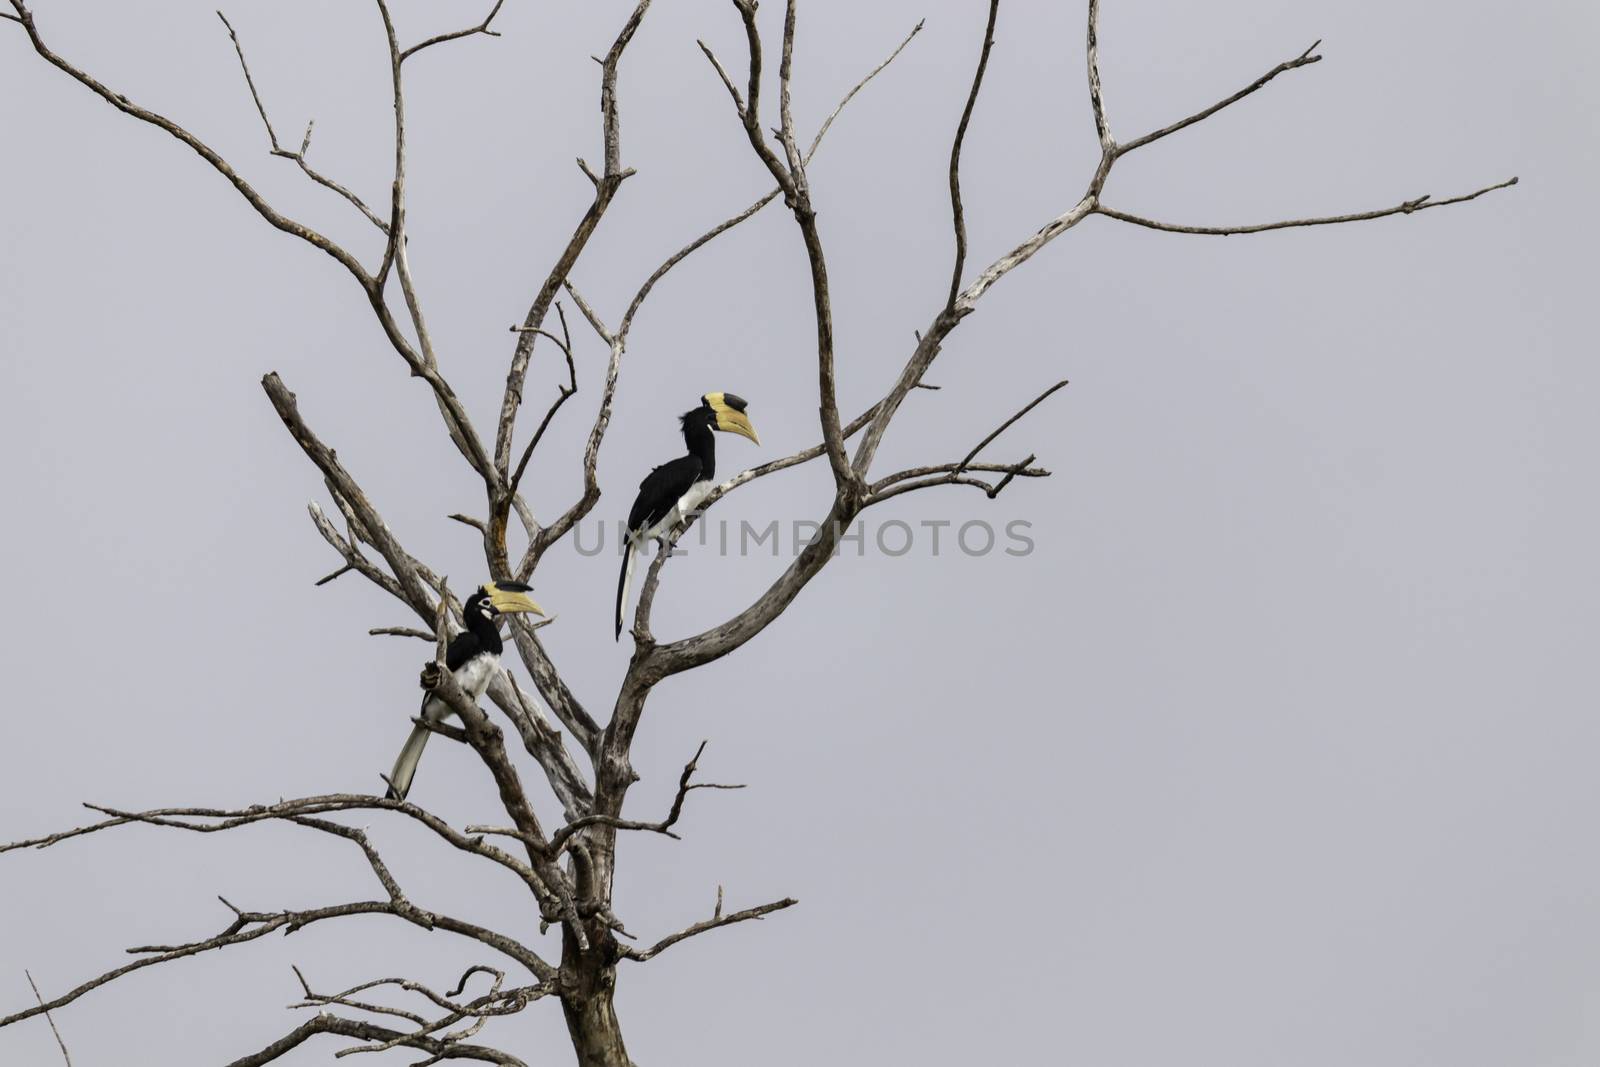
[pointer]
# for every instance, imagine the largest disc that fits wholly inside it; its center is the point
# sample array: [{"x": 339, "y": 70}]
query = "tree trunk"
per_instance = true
[{"x": 592, "y": 1022}]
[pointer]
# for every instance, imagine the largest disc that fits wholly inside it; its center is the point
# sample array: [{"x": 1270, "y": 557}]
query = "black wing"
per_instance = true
[
  {"x": 463, "y": 647},
  {"x": 660, "y": 490}
]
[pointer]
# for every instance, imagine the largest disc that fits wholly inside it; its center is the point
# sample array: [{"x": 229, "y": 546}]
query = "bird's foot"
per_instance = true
[{"x": 431, "y": 676}]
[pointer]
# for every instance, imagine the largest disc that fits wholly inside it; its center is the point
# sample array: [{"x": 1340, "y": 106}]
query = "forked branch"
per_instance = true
[
  {"x": 372, "y": 1032},
  {"x": 716, "y": 922},
  {"x": 299, "y": 157},
  {"x": 482, "y": 27},
  {"x": 566, "y": 833}
]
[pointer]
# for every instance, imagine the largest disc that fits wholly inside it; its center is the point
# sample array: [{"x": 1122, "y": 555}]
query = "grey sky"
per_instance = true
[{"x": 1280, "y": 747}]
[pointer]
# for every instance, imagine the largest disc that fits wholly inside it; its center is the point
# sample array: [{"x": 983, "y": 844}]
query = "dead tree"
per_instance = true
[{"x": 568, "y": 869}]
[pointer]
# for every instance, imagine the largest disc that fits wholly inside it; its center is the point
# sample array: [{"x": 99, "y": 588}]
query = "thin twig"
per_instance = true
[
  {"x": 565, "y": 834},
  {"x": 1004, "y": 426},
  {"x": 1304, "y": 59},
  {"x": 1407, "y": 207},
  {"x": 563, "y": 394},
  {"x": 328, "y": 578},
  {"x": 272, "y": 135},
  {"x": 47, "y": 1018}
]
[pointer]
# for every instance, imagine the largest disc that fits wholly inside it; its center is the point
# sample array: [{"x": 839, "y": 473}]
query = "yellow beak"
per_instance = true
[
  {"x": 511, "y": 601},
  {"x": 736, "y": 422}
]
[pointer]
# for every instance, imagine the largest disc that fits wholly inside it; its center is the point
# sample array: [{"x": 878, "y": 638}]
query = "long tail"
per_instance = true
[
  {"x": 622, "y": 584},
  {"x": 405, "y": 767}
]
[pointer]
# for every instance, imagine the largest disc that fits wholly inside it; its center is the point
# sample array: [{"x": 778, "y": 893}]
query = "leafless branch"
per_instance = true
[
  {"x": 455, "y": 415},
  {"x": 1004, "y": 426},
  {"x": 565, "y": 834},
  {"x": 496, "y": 1003},
  {"x": 955, "y": 156},
  {"x": 606, "y": 186},
  {"x": 204, "y": 151},
  {"x": 330, "y": 577},
  {"x": 482, "y": 27},
  {"x": 543, "y": 742},
  {"x": 47, "y": 1018},
  {"x": 395, "y": 251},
  {"x": 299, "y": 157},
  {"x": 683, "y": 253},
  {"x": 716, "y": 64},
  {"x": 489, "y": 742},
  {"x": 827, "y": 123},
  {"x": 238, "y": 48},
  {"x": 588, "y": 312},
  {"x": 1102, "y": 126},
  {"x": 400, "y": 631},
  {"x": 409, "y": 582},
  {"x": 564, "y": 393},
  {"x": 717, "y": 921},
  {"x": 247, "y": 926},
  {"x": 734, "y": 220},
  {"x": 365, "y": 1031},
  {"x": 791, "y": 178},
  {"x": 785, "y": 79},
  {"x": 216, "y": 820},
  {"x": 351, "y": 552},
  {"x": 1421, "y": 203},
  {"x": 805, "y": 455},
  {"x": 1304, "y": 59},
  {"x": 909, "y": 481}
]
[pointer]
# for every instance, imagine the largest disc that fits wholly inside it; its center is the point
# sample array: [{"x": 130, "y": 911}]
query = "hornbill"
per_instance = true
[
  {"x": 675, "y": 489},
  {"x": 473, "y": 657}
]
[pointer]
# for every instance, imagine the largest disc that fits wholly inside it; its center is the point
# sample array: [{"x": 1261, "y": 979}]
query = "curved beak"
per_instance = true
[
  {"x": 731, "y": 417},
  {"x": 511, "y": 598},
  {"x": 738, "y": 422}
]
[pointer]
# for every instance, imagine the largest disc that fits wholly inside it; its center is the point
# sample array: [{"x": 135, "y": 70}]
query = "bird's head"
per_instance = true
[
  {"x": 724, "y": 412},
  {"x": 500, "y": 598}
]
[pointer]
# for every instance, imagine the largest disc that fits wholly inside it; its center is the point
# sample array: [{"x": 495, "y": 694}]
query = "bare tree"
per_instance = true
[{"x": 568, "y": 870}]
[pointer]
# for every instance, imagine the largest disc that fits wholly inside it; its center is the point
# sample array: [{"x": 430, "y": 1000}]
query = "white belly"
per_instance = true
[
  {"x": 474, "y": 677},
  {"x": 686, "y": 504},
  {"x": 691, "y": 500},
  {"x": 476, "y": 674}
]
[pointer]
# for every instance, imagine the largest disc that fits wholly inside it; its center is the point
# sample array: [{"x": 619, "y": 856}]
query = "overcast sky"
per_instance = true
[{"x": 1279, "y": 746}]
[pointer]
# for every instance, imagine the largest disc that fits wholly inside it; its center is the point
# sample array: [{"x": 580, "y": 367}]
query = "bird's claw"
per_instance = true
[{"x": 431, "y": 676}]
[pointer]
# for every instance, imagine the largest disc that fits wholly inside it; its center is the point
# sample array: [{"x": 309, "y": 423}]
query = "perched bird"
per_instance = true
[
  {"x": 675, "y": 489},
  {"x": 472, "y": 657}
]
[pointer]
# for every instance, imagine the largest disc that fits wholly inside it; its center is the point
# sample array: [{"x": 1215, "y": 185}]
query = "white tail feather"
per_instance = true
[
  {"x": 623, "y": 583},
  {"x": 405, "y": 766}
]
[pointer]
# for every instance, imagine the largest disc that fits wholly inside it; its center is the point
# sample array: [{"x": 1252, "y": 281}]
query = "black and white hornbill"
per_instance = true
[
  {"x": 675, "y": 489},
  {"x": 473, "y": 657}
]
